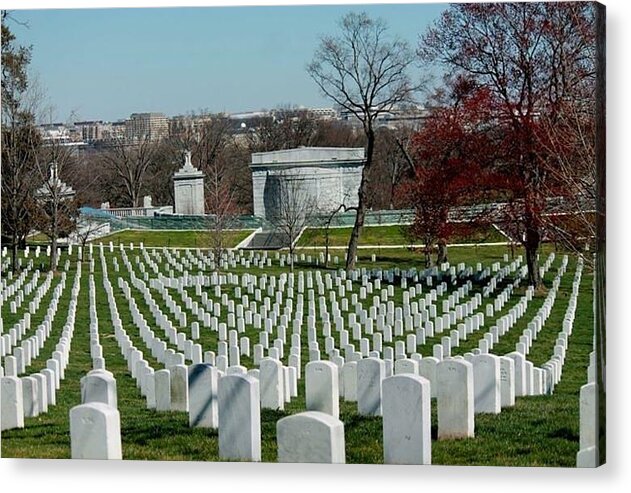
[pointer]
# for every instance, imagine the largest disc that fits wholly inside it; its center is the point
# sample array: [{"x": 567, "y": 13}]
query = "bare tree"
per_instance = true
[
  {"x": 364, "y": 72},
  {"x": 57, "y": 210},
  {"x": 87, "y": 228},
  {"x": 295, "y": 208},
  {"x": 167, "y": 161},
  {"x": 130, "y": 161},
  {"x": 210, "y": 143},
  {"x": 20, "y": 142},
  {"x": 392, "y": 160},
  {"x": 19, "y": 179},
  {"x": 283, "y": 128},
  {"x": 236, "y": 160},
  {"x": 328, "y": 220},
  {"x": 337, "y": 133},
  {"x": 221, "y": 206},
  {"x": 571, "y": 140}
]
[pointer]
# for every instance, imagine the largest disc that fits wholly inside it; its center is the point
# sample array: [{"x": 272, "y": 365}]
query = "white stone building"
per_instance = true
[{"x": 329, "y": 175}]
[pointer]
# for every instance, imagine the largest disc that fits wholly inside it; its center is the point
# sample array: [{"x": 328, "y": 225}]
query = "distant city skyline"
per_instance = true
[
  {"x": 248, "y": 113},
  {"x": 104, "y": 64}
]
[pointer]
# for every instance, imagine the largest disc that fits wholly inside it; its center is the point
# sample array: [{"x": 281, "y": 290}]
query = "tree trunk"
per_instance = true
[
  {"x": 14, "y": 254},
  {"x": 532, "y": 248},
  {"x": 54, "y": 234},
  {"x": 427, "y": 251},
  {"x": 53, "y": 253},
  {"x": 441, "y": 257},
  {"x": 532, "y": 222},
  {"x": 357, "y": 228},
  {"x": 291, "y": 258},
  {"x": 393, "y": 184},
  {"x": 326, "y": 247},
  {"x": 361, "y": 204}
]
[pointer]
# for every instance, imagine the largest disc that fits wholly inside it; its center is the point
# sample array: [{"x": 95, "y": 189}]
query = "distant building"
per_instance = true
[
  {"x": 92, "y": 131},
  {"x": 250, "y": 115},
  {"x": 410, "y": 115},
  {"x": 323, "y": 113},
  {"x": 189, "y": 124},
  {"x": 329, "y": 176},
  {"x": 117, "y": 130},
  {"x": 59, "y": 133},
  {"x": 151, "y": 126}
]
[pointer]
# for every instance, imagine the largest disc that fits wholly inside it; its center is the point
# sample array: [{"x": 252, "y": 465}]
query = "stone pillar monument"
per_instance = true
[{"x": 188, "y": 183}]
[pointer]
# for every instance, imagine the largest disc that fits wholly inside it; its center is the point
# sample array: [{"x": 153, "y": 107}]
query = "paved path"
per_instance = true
[{"x": 377, "y": 247}]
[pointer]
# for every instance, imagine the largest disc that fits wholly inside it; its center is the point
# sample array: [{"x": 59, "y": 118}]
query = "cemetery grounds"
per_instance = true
[{"x": 539, "y": 430}]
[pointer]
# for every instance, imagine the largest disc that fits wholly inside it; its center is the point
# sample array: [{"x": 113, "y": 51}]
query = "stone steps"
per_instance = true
[{"x": 267, "y": 240}]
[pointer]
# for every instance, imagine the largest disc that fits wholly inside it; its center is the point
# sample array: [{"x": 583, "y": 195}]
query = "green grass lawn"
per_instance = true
[
  {"x": 38, "y": 239},
  {"x": 388, "y": 235},
  {"x": 538, "y": 431},
  {"x": 181, "y": 239}
]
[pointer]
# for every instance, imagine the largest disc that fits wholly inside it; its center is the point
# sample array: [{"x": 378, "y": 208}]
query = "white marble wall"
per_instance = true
[{"x": 331, "y": 176}]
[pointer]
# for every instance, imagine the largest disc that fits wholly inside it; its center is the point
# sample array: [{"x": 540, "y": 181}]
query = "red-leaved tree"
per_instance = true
[
  {"x": 531, "y": 56},
  {"x": 453, "y": 181}
]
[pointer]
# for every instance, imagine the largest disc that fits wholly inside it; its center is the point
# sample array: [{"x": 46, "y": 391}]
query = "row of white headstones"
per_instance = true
[
  {"x": 373, "y": 376},
  {"x": 10, "y": 289},
  {"x": 31, "y": 395},
  {"x": 181, "y": 342},
  {"x": 588, "y": 454}
]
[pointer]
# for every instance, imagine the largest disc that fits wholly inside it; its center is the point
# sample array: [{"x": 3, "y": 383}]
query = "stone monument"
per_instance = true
[
  {"x": 330, "y": 176},
  {"x": 54, "y": 187},
  {"x": 188, "y": 185}
]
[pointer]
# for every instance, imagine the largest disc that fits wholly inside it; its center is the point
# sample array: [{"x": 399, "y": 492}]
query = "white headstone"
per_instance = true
[
  {"x": 588, "y": 413},
  {"x": 455, "y": 399},
  {"x": 99, "y": 386},
  {"x": 405, "y": 366},
  {"x": 520, "y": 373},
  {"x": 10, "y": 366},
  {"x": 162, "y": 383},
  {"x": 29, "y": 397},
  {"x": 406, "y": 420},
  {"x": 202, "y": 388},
  {"x": 587, "y": 457},
  {"x": 271, "y": 390},
  {"x": 50, "y": 385},
  {"x": 486, "y": 383},
  {"x": 42, "y": 392},
  {"x": 370, "y": 373},
  {"x": 95, "y": 432},
  {"x": 427, "y": 370},
  {"x": 11, "y": 400},
  {"x": 311, "y": 436},
  {"x": 349, "y": 377},
  {"x": 321, "y": 387},
  {"x": 239, "y": 418},
  {"x": 179, "y": 388},
  {"x": 507, "y": 382}
]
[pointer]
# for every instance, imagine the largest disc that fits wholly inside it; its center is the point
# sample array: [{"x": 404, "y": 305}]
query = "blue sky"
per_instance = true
[{"x": 108, "y": 63}]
